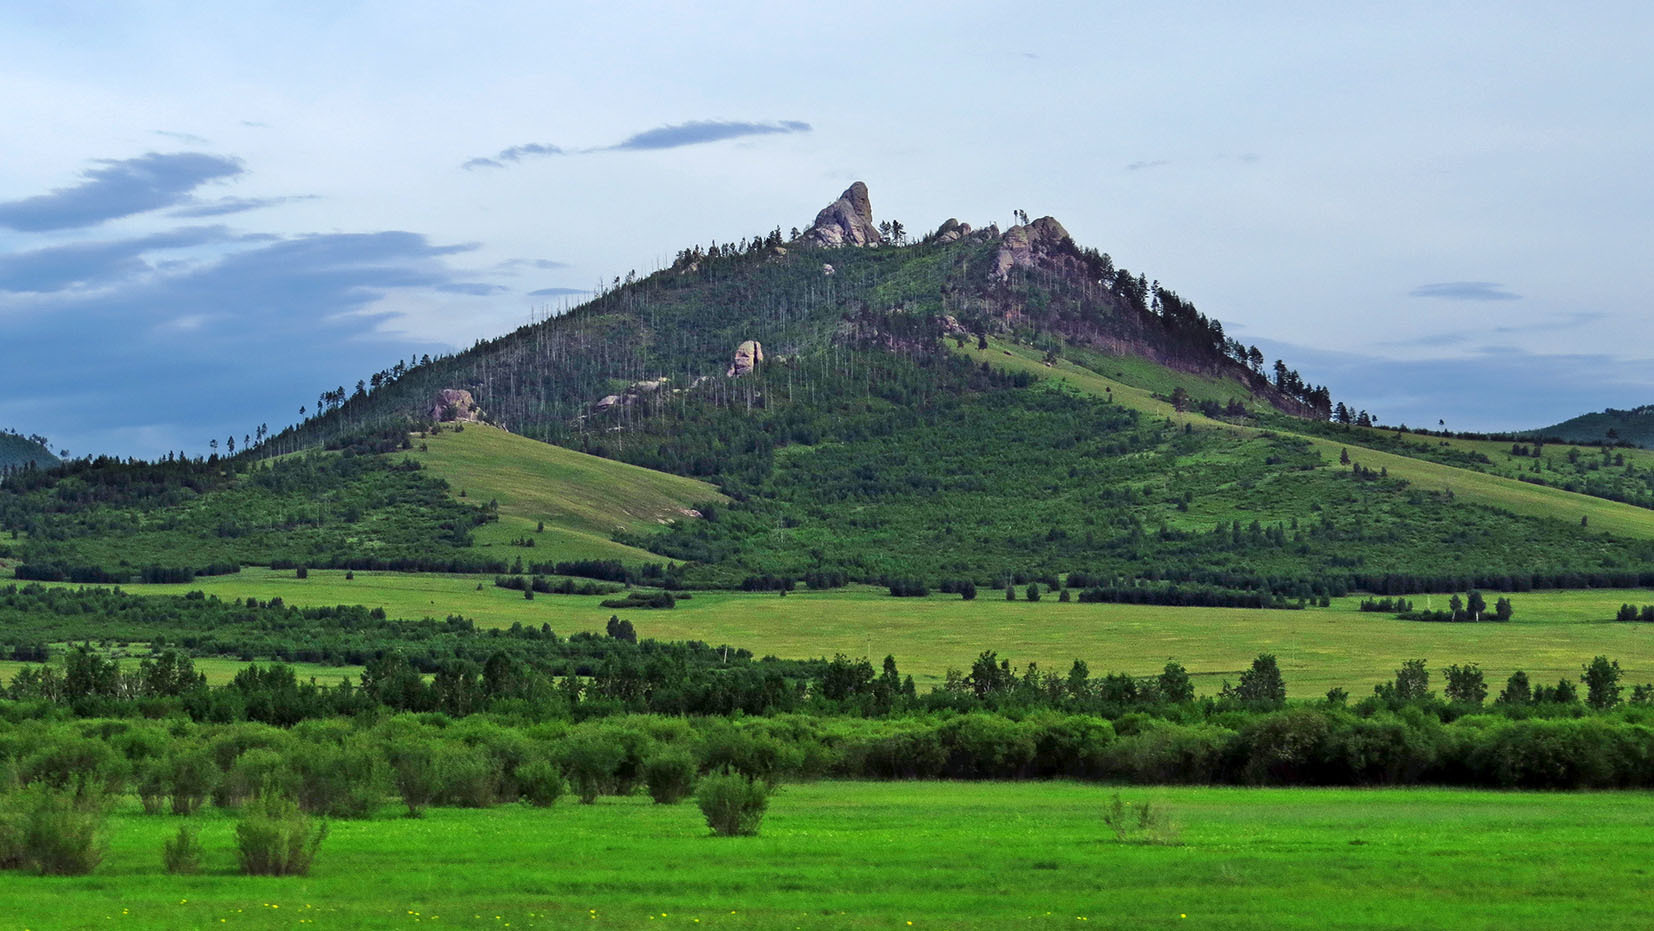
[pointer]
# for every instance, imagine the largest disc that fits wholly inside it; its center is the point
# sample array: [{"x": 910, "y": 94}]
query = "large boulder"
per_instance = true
[
  {"x": 747, "y": 357},
  {"x": 451, "y": 404},
  {"x": 847, "y": 221},
  {"x": 1028, "y": 246},
  {"x": 951, "y": 230}
]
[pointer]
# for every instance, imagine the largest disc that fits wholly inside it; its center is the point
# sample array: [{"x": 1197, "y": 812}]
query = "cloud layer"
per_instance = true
[
  {"x": 1465, "y": 291},
  {"x": 118, "y": 188}
]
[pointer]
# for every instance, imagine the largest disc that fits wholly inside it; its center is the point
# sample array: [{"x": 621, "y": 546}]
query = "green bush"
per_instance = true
[
  {"x": 257, "y": 770},
  {"x": 541, "y": 783},
  {"x": 415, "y": 773},
  {"x": 733, "y": 804},
  {"x": 348, "y": 780},
  {"x": 469, "y": 777},
  {"x": 191, "y": 776},
  {"x": 275, "y": 838},
  {"x": 61, "y": 831},
  {"x": 591, "y": 762},
  {"x": 670, "y": 776},
  {"x": 182, "y": 853}
]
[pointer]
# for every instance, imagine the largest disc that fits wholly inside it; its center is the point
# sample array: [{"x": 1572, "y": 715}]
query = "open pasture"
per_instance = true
[
  {"x": 938, "y": 855},
  {"x": 1552, "y": 636}
]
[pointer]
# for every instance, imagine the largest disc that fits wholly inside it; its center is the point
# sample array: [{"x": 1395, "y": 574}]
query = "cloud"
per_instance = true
[
  {"x": 697, "y": 132},
  {"x": 557, "y": 292},
  {"x": 186, "y": 138},
  {"x": 93, "y": 264},
  {"x": 514, "y": 154},
  {"x": 1139, "y": 166},
  {"x": 1465, "y": 291},
  {"x": 227, "y": 205},
  {"x": 671, "y": 136},
  {"x": 243, "y": 332},
  {"x": 118, "y": 188}
]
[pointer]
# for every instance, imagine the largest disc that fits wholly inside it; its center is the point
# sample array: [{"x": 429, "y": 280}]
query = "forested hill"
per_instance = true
[
  {"x": 675, "y": 333},
  {"x": 19, "y": 452},
  {"x": 968, "y": 407},
  {"x": 1611, "y": 426}
]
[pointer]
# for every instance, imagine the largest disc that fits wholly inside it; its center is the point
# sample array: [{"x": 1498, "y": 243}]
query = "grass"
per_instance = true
[
  {"x": 1496, "y": 491},
  {"x": 582, "y": 499},
  {"x": 1552, "y": 636},
  {"x": 938, "y": 855}
]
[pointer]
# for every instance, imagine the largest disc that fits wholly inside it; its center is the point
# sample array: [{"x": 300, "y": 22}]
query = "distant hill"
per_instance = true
[
  {"x": 1635, "y": 426},
  {"x": 20, "y": 452}
]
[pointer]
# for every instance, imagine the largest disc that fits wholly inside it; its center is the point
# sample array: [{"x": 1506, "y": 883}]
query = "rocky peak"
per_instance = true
[
  {"x": 847, "y": 221},
  {"x": 1027, "y": 246},
  {"x": 951, "y": 230}
]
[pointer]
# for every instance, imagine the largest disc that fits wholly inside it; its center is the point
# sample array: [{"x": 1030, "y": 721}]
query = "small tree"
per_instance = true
[
  {"x": 1517, "y": 690},
  {"x": 1174, "y": 684},
  {"x": 181, "y": 854},
  {"x": 1602, "y": 683},
  {"x": 1261, "y": 685},
  {"x": 1033, "y": 591},
  {"x": 1412, "y": 681},
  {"x": 1465, "y": 684}
]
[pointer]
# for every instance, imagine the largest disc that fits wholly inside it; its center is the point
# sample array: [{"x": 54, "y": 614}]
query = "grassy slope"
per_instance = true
[
  {"x": 1477, "y": 487},
  {"x": 1633, "y": 426},
  {"x": 17, "y": 450},
  {"x": 926, "y": 855},
  {"x": 1552, "y": 636},
  {"x": 582, "y": 499}
]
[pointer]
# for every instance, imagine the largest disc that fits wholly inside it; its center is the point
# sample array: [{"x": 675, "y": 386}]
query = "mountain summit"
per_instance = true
[{"x": 847, "y": 221}]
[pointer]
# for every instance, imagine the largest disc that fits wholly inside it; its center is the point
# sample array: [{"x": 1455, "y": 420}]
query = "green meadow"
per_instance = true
[
  {"x": 581, "y": 500},
  {"x": 923, "y": 855},
  {"x": 1553, "y": 634}
]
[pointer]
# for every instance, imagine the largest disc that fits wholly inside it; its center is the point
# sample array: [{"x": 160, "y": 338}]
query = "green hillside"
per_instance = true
[
  {"x": 581, "y": 501},
  {"x": 1635, "y": 426},
  {"x": 22, "y": 452}
]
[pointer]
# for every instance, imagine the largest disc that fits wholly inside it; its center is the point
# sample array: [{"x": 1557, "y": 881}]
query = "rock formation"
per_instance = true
[
  {"x": 747, "y": 357},
  {"x": 847, "y": 221},
  {"x": 633, "y": 393},
  {"x": 451, "y": 404},
  {"x": 1027, "y": 246},
  {"x": 951, "y": 230}
]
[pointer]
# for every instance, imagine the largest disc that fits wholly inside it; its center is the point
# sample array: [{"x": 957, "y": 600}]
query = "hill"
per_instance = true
[
  {"x": 18, "y": 452},
  {"x": 974, "y": 405},
  {"x": 1611, "y": 426}
]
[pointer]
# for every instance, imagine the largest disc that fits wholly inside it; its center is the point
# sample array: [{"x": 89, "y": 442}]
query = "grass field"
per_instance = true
[
  {"x": 936, "y": 855},
  {"x": 1496, "y": 491},
  {"x": 582, "y": 499},
  {"x": 1553, "y": 634}
]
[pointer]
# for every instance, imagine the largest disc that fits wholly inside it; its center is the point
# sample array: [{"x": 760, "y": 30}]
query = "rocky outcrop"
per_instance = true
[
  {"x": 847, "y": 221},
  {"x": 454, "y": 404},
  {"x": 748, "y": 355},
  {"x": 1043, "y": 241},
  {"x": 951, "y": 230},
  {"x": 634, "y": 393}
]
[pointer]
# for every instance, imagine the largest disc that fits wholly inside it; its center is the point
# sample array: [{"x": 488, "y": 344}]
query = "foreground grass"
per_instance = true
[
  {"x": 1553, "y": 635},
  {"x": 582, "y": 500},
  {"x": 938, "y": 855}
]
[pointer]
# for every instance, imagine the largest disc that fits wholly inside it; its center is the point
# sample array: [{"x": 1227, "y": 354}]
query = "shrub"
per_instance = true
[
  {"x": 342, "y": 781},
  {"x": 591, "y": 762},
  {"x": 254, "y": 771},
  {"x": 469, "y": 777},
  {"x": 182, "y": 853},
  {"x": 733, "y": 804},
  {"x": 190, "y": 777},
  {"x": 62, "y": 831},
  {"x": 541, "y": 783},
  {"x": 670, "y": 776},
  {"x": 415, "y": 774},
  {"x": 1139, "y": 822},
  {"x": 275, "y": 838}
]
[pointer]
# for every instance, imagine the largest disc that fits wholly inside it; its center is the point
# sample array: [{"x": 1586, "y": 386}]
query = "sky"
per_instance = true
[{"x": 209, "y": 213}]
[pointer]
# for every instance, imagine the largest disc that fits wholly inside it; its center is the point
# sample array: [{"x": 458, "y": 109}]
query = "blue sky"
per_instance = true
[{"x": 209, "y": 213}]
